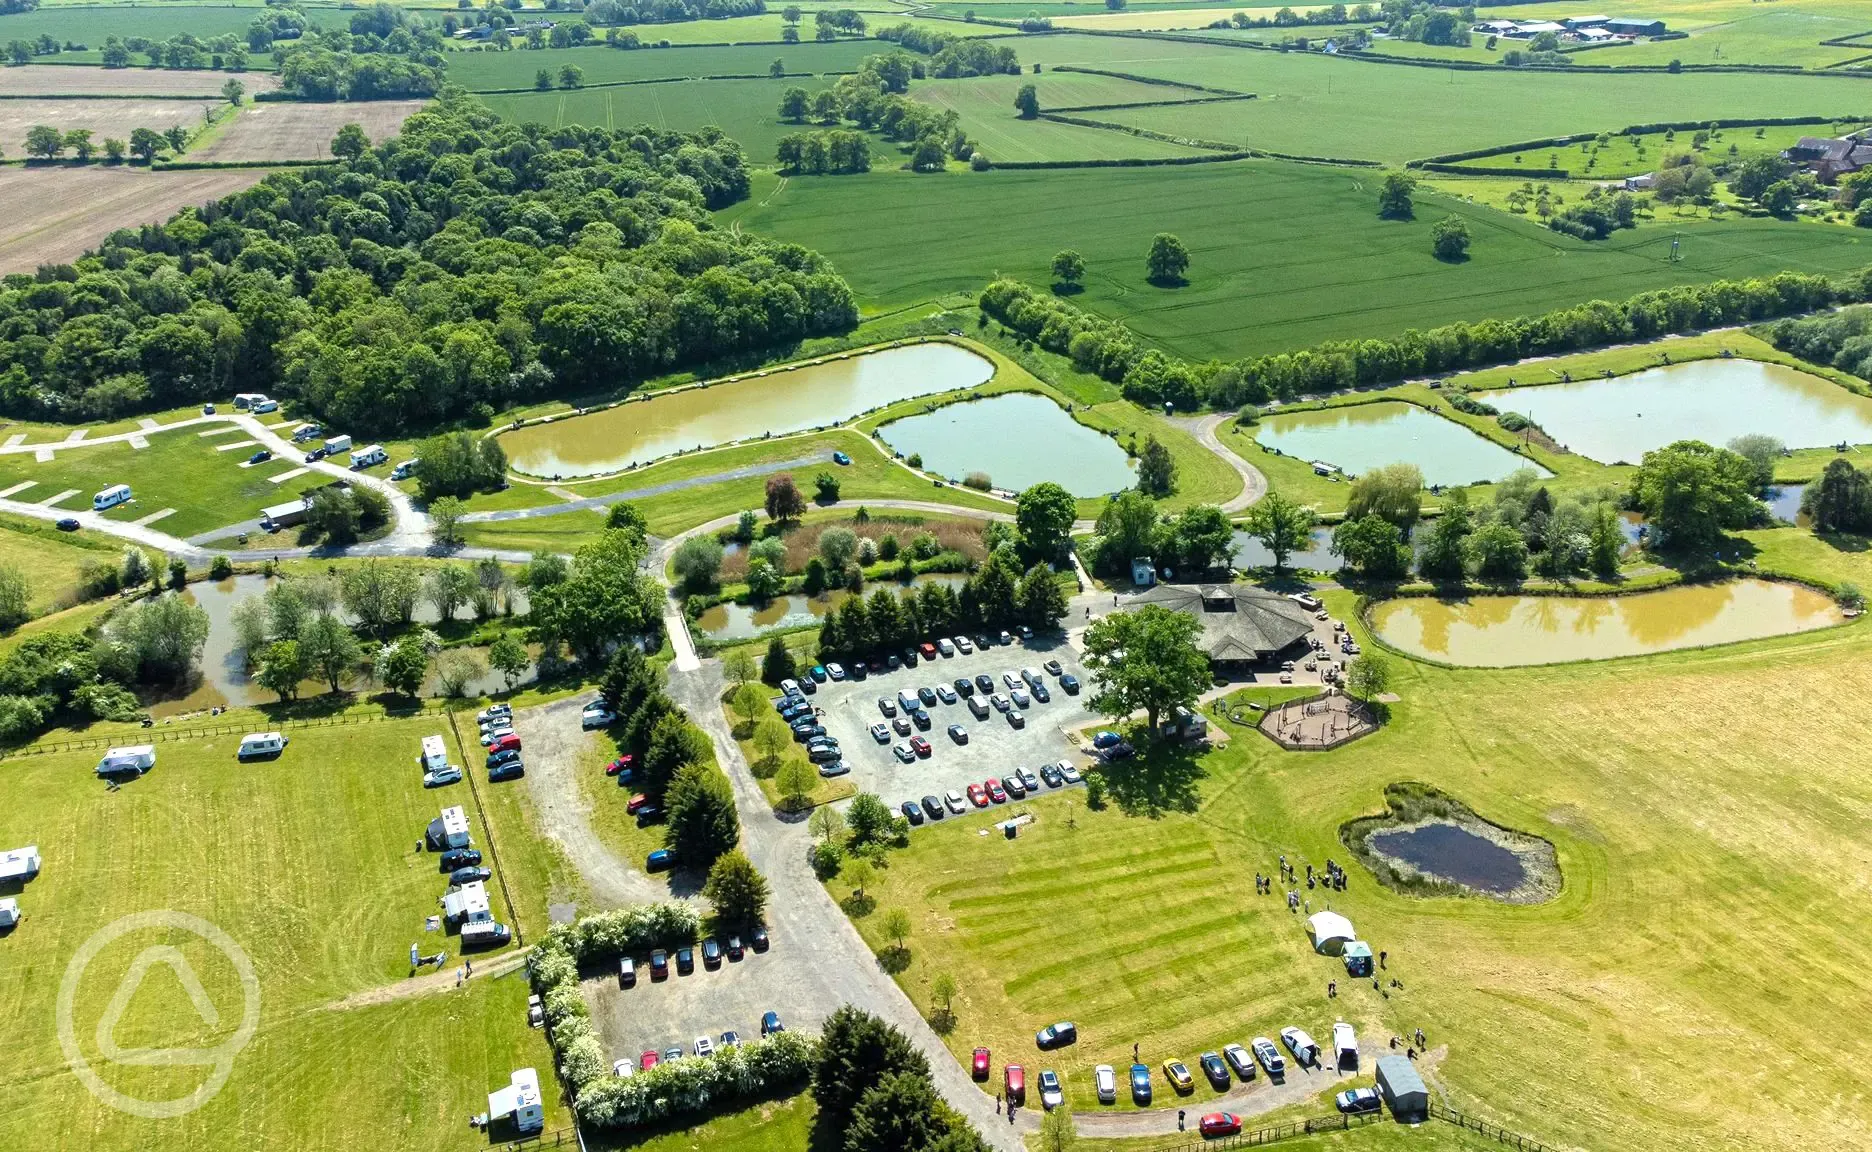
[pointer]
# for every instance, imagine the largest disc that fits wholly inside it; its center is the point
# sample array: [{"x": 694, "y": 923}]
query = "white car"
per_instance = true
[
  {"x": 1011, "y": 679},
  {"x": 440, "y": 776},
  {"x": 1301, "y": 1045},
  {"x": 945, "y": 647},
  {"x": 1269, "y": 1056},
  {"x": 905, "y": 753},
  {"x": 955, "y": 802},
  {"x": 498, "y": 711},
  {"x": 704, "y": 1046},
  {"x": 492, "y": 734},
  {"x": 1106, "y": 1082},
  {"x": 597, "y": 714},
  {"x": 1071, "y": 773},
  {"x": 623, "y": 1068},
  {"x": 964, "y": 645}
]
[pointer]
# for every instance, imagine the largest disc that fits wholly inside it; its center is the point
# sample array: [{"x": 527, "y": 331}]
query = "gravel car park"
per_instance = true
[{"x": 991, "y": 745}]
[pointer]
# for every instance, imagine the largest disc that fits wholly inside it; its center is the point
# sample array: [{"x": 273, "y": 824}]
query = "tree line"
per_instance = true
[
  {"x": 44, "y": 142},
  {"x": 1842, "y": 339},
  {"x": 465, "y": 265},
  {"x": 953, "y": 56},
  {"x": 874, "y": 98},
  {"x": 1108, "y": 349}
]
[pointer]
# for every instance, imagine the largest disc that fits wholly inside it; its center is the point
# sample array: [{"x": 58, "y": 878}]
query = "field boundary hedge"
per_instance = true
[
  {"x": 532, "y": 91},
  {"x": 1641, "y": 129},
  {"x": 211, "y": 165},
  {"x": 107, "y": 96},
  {"x": 1146, "y": 133},
  {"x": 1158, "y": 81},
  {"x": 1530, "y": 173},
  {"x": 1154, "y": 104},
  {"x": 1131, "y": 162}
]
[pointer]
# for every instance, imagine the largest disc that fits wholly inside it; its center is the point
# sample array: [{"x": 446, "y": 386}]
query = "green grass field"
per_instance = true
[
  {"x": 745, "y": 109},
  {"x": 1695, "y": 923},
  {"x": 1282, "y": 255},
  {"x": 492, "y": 71},
  {"x": 986, "y": 105},
  {"x": 1622, "y": 155},
  {"x": 178, "y": 470},
  {"x": 50, "y": 559},
  {"x": 310, "y": 865}
]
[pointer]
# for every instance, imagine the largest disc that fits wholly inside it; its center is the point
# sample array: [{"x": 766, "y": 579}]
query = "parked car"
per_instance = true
[
  {"x": 1140, "y": 1084},
  {"x": 729, "y": 1039},
  {"x": 1106, "y": 738},
  {"x": 984, "y": 683},
  {"x": 1014, "y": 1084},
  {"x": 887, "y": 706},
  {"x": 1215, "y": 1070},
  {"x": 834, "y": 768},
  {"x": 835, "y": 671},
  {"x": 1026, "y": 633},
  {"x": 1069, "y": 772},
  {"x": 597, "y": 714},
  {"x": 1301, "y": 1045},
  {"x": 647, "y": 1061},
  {"x": 685, "y": 961},
  {"x": 1041, "y": 694},
  {"x": 1179, "y": 1076},
  {"x": 901, "y": 725},
  {"x": 912, "y": 811},
  {"x": 1105, "y": 1083},
  {"x": 468, "y": 875},
  {"x": 1050, "y": 774},
  {"x": 1219, "y": 1124},
  {"x": 1028, "y": 778},
  {"x": 438, "y": 777},
  {"x": 504, "y": 742},
  {"x": 1005, "y": 639},
  {"x": 927, "y": 695},
  {"x": 978, "y": 795},
  {"x": 674, "y": 1052},
  {"x": 1056, "y": 1035},
  {"x": 1070, "y": 683},
  {"x": 770, "y": 1024},
  {"x": 1015, "y": 719},
  {"x": 704, "y": 1046},
  {"x": 734, "y": 948},
  {"x": 977, "y": 709},
  {"x": 926, "y": 650},
  {"x": 647, "y": 815},
  {"x": 314, "y": 456},
  {"x": 964, "y": 686},
  {"x": 978, "y": 1064},
  {"x": 636, "y": 803},
  {"x": 945, "y": 647},
  {"x": 260, "y": 457},
  {"x": 1052, "y": 668},
  {"x": 984, "y": 641},
  {"x": 958, "y": 733},
  {"x": 995, "y": 792},
  {"x": 506, "y": 770},
  {"x": 1011, "y": 679},
  {"x": 623, "y": 764},
  {"x": 1269, "y": 1056},
  {"x": 1239, "y": 1060},
  {"x": 905, "y": 753},
  {"x": 945, "y": 693},
  {"x": 920, "y": 746},
  {"x": 661, "y": 860},
  {"x": 933, "y": 807},
  {"x": 1000, "y": 702},
  {"x": 818, "y": 673},
  {"x": 802, "y": 733},
  {"x": 67, "y": 524},
  {"x": 822, "y": 753},
  {"x": 840, "y": 458},
  {"x": 627, "y": 972},
  {"x": 963, "y": 646},
  {"x": 909, "y": 658},
  {"x": 1355, "y": 1101},
  {"x": 711, "y": 953},
  {"x": 921, "y": 719},
  {"x": 1016, "y": 789},
  {"x": 659, "y": 964},
  {"x": 460, "y": 858},
  {"x": 1020, "y": 697},
  {"x": 953, "y": 800},
  {"x": 758, "y": 939},
  {"x": 1050, "y": 1095}
]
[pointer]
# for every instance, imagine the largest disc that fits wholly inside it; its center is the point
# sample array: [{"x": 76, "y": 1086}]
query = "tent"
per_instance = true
[
  {"x": 1403, "y": 1090},
  {"x": 1331, "y": 932},
  {"x": 1357, "y": 955}
]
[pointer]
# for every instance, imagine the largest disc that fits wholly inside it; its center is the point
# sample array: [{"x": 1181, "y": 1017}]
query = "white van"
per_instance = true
[
  {"x": 263, "y": 405},
  {"x": 337, "y": 444},
  {"x": 366, "y": 457},
  {"x": 482, "y": 933},
  {"x": 405, "y": 470},
  {"x": 131, "y": 761},
  {"x": 261, "y": 744},
  {"x": 111, "y": 497}
]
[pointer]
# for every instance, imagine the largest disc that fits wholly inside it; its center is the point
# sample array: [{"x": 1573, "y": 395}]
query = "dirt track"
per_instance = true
[
  {"x": 292, "y": 131},
  {"x": 54, "y": 215},
  {"x": 67, "y": 80}
]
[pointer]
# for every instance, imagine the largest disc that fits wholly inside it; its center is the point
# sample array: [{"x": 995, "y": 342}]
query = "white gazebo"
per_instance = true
[{"x": 1330, "y": 931}]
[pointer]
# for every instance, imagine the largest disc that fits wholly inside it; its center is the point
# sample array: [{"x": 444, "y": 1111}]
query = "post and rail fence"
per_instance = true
[{"x": 1314, "y": 1125}]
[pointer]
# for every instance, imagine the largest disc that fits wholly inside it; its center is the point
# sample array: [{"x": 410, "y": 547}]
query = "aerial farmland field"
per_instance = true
[
  {"x": 509, "y": 71},
  {"x": 53, "y": 215},
  {"x": 294, "y": 131},
  {"x": 79, "y": 80}
]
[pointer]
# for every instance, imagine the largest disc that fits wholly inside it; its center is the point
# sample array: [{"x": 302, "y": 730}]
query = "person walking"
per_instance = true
[{"x": 1381, "y": 958}]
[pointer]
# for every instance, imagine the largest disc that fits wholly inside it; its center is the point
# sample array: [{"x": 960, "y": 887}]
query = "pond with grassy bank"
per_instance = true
[
  {"x": 1017, "y": 440},
  {"x": 1356, "y": 438}
]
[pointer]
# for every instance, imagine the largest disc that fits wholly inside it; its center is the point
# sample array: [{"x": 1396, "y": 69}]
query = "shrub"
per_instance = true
[
  {"x": 220, "y": 568},
  {"x": 698, "y": 1084},
  {"x": 978, "y": 481}
]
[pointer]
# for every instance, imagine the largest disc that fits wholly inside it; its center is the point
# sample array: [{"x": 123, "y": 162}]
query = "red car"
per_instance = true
[
  {"x": 647, "y": 1061},
  {"x": 621, "y": 764},
  {"x": 1219, "y": 1124},
  {"x": 978, "y": 1068},
  {"x": 928, "y": 650},
  {"x": 511, "y": 740},
  {"x": 1014, "y": 1082},
  {"x": 636, "y": 802},
  {"x": 995, "y": 792},
  {"x": 920, "y": 746},
  {"x": 978, "y": 796}
]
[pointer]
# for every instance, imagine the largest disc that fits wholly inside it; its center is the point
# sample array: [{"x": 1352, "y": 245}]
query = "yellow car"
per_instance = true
[{"x": 1178, "y": 1075}]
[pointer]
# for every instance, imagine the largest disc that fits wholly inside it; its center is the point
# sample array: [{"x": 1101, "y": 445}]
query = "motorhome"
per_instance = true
[
  {"x": 111, "y": 497},
  {"x": 434, "y": 754},
  {"x": 366, "y": 457}
]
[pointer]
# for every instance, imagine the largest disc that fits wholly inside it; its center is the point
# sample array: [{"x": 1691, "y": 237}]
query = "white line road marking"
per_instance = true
[
  {"x": 20, "y": 487},
  {"x": 155, "y": 516},
  {"x": 236, "y": 444}
]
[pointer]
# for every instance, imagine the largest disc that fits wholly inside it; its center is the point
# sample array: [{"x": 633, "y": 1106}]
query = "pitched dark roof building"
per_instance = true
[{"x": 1240, "y": 623}]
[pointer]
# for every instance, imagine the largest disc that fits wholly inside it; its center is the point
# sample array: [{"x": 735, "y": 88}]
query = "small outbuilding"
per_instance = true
[
  {"x": 519, "y": 1101},
  {"x": 1330, "y": 932},
  {"x": 1628, "y": 26},
  {"x": 1401, "y": 1089}
]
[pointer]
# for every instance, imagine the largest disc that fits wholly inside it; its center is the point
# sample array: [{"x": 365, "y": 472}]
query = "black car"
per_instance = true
[
  {"x": 984, "y": 641},
  {"x": 805, "y": 732},
  {"x": 985, "y": 682},
  {"x": 927, "y": 695},
  {"x": 685, "y": 961},
  {"x": 67, "y": 524},
  {"x": 909, "y": 658},
  {"x": 460, "y": 858},
  {"x": 1070, "y": 683},
  {"x": 1052, "y": 776},
  {"x": 933, "y": 805},
  {"x": 1056, "y": 1036},
  {"x": 857, "y": 670},
  {"x": 260, "y": 457},
  {"x": 964, "y": 686},
  {"x": 911, "y": 812},
  {"x": 649, "y": 814},
  {"x": 506, "y": 770},
  {"x": 504, "y": 756},
  {"x": 314, "y": 456},
  {"x": 891, "y": 663},
  {"x": 758, "y": 939},
  {"x": 1215, "y": 1070},
  {"x": 921, "y": 719},
  {"x": 468, "y": 875},
  {"x": 1041, "y": 694},
  {"x": 711, "y": 953},
  {"x": 822, "y": 754}
]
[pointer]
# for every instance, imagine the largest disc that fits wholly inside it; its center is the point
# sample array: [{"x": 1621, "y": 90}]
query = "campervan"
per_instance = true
[
  {"x": 366, "y": 457},
  {"x": 111, "y": 497},
  {"x": 256, "y": 744},
  {"x": 434, "y": 754}
]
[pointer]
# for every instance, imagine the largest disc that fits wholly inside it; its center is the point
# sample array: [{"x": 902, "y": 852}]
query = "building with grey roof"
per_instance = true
[{"x": 1241, "y": 624}]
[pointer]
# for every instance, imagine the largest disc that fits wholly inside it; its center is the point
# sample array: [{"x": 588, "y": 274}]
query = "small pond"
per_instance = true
[
  {"x": 1507, "y": 631},
  {"x": 1784, "y": 501},
  {"x": 746, "y": 621},
  {"x": 1453, "y": 853},
  {"x": 1018, "y": 439},
  {"x": 1360, "y": 437},
  {"x": 1714, "y": 401},
  {"x": 790, "y": 400},
  {"x": 1251, "y": 553}
]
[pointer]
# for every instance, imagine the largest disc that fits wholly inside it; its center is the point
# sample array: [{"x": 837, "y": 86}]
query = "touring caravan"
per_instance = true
[
  {"x": 256, "y": 744},
  {"x": 434, "y": 756},
  {"x": 111, "y": 497},
  {"x": 133, "y": 760}
]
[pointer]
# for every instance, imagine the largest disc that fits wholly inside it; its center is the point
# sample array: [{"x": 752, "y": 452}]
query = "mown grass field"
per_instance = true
[
  {"x": 745, "y": 109},
  {"x": 1733, "y": 32},
  {"x": 50, "y": 559},
  {"x": 986, "y": 105},
  {"x": 495, "y": 71},
  {"x": 310, "y": 864},
  {"x": 179, "y": 470},
  {"x": 1711, "y": 870},
  {"x": 1623, "y": 156},
  {"x": 1282, "y": 255},
  {"x": 92, "y": 25}
]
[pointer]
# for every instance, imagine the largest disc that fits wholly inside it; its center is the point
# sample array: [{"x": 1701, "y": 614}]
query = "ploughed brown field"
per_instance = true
[
  {"x": 105, "y": 117},
  {"x": 53, "y": 215},
  {"x": 78, "y": 80},
  {"x": 293, "y": 131}
]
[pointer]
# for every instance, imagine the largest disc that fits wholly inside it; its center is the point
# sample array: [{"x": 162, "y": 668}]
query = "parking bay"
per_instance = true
[{"x": 995, "y": 747}]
